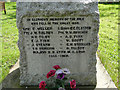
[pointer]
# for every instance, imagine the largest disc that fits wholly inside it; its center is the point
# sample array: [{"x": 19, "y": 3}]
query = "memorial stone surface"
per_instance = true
[{"x": 58, "y": 33}]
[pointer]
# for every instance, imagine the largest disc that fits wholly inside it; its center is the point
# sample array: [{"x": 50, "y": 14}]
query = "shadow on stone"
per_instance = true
[{"x": 12, "y": 80}]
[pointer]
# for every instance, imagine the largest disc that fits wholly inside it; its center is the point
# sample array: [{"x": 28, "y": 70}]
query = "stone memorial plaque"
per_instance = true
[{"x": 58, "y": 33}]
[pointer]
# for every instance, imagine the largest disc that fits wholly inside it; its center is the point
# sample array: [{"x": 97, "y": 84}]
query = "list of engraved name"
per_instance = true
[{"x": 56, "y": 36}]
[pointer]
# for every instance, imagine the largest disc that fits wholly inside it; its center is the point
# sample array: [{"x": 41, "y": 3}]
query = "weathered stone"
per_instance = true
[
  {"x": 12, "y": 80},
  {"x": 67, "y": 35},
  {"x": 103, "y": 78}
]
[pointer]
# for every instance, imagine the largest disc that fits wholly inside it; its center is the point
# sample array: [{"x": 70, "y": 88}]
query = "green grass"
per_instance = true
[
  {"x": 10, "y": 51},
  {"x": 108, "y": 35}
]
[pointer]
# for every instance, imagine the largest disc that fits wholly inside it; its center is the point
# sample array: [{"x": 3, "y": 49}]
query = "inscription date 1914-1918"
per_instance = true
[{"x": 55, "y": 55}]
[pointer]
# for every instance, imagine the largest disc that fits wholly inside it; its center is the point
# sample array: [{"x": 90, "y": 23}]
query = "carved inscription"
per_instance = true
[{"x": 56, "y": 36}]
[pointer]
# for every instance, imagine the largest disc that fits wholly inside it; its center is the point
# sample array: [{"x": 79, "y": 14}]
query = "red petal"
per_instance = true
[{"x": 56, "y": 67}]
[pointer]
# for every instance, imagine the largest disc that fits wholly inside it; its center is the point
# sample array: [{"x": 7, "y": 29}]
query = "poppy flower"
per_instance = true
[
  {"x": 73, "y": 84},
  {"x": 66, "y": 71},
  {"x": 50, "y": 73},
  {"x": 56, "y": 67},
  {"x": 59, "y": 71},
  {"x": 60, "y": 76},
  {"x": 42, "y": 85}
]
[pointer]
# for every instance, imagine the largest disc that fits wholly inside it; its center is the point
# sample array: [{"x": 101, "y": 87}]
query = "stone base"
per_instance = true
[{"x": 103, "y": 78}]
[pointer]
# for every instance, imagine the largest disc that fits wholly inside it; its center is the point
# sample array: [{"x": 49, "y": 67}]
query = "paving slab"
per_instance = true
[{"x": 103, "y": 78}]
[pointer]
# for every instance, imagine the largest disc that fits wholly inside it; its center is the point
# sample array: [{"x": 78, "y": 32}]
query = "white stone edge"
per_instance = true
[{"x": 111, "y": 84}]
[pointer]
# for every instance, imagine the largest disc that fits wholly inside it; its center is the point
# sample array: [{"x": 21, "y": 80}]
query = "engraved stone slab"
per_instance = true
[{"x": 58, "y": 33}]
